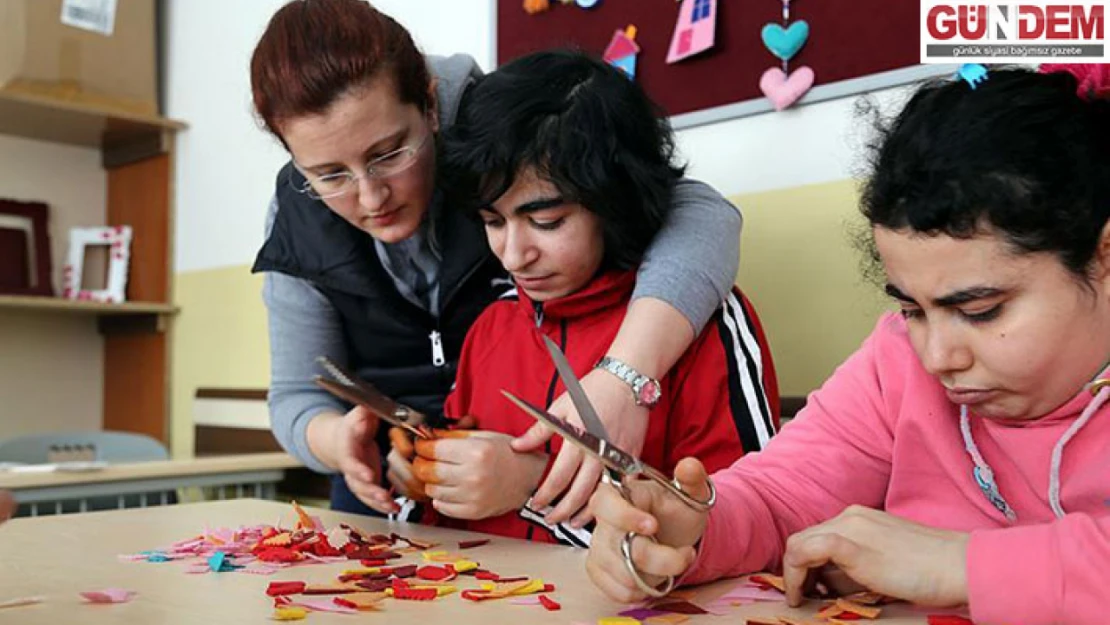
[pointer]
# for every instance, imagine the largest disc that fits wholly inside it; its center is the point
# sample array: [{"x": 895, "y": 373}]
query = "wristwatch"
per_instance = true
[{"x": 645, "y": 390}]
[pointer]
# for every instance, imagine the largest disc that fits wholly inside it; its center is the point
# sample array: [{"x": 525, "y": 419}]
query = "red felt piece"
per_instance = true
[
  {"x": 470, "y": 544},
  {"x": 549, "y": 604},
  {"x": 373, "y": 562},
  {"x": 346, "y": 603},
  {"x": 488, "y": 576},
  {"x": 948, "y": 619},
  {"x": 402, "y": 572},
  {"x": 415, "y": 594},
  {"x": 374, "y": 585},
  {"x": 284, "y": 588},
  {"x": 434, "y": 573}
]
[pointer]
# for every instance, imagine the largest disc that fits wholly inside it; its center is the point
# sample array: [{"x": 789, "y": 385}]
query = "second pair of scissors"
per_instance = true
[{"x": 618, "y": 464}]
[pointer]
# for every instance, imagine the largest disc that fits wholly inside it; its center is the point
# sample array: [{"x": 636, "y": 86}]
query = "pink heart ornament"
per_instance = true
[{"x": 782, "y": 90}]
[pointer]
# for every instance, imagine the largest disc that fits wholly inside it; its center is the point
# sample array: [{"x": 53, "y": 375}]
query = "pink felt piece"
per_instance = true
[
  {"x": 745, "y": 592},
  {"x": 783, "y": 90},
  {"x": 324, "y": 605},
  {"x": 108, "y": 595},
  {"x": 532, "y": 600}
]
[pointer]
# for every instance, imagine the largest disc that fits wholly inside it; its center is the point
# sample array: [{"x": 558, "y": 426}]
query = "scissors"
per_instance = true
[
  {"x": 349, "y": 387},
  {"x": 618, "y": 464}
]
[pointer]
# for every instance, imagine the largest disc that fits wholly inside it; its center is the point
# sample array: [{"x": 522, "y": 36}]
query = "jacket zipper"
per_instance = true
[{"x": 438, "y": 358}]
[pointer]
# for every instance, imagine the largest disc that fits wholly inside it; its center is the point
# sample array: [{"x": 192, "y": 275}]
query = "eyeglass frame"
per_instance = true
[{"x": 307, "y": 189}]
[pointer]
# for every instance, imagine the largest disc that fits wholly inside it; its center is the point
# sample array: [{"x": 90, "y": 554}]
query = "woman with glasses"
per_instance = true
[{"x": 366, "y": 264}]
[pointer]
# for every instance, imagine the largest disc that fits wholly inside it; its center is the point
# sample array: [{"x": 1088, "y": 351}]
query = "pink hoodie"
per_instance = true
[{"x": 881, "y": 433}]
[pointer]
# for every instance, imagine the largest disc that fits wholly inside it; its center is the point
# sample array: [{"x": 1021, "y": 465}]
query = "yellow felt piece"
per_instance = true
[
  {"x": 289, "y": 614},
  {"x": 462, "y": 566},
  {"x": 280, "y": 540},
  {"x": 504, "y": 590},
  {"x": 442, "y": 557},
  {"x": 617, "y": 620},
  {"x": 304, "y": 522},
  {"x": 868, "y": 612},
  {"x": 369, "y": 571}
]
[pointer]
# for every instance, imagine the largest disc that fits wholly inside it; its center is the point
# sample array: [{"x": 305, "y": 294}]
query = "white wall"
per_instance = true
[
  {"x": 225, "y": 163},
  {"x": 52, "y": 363}
]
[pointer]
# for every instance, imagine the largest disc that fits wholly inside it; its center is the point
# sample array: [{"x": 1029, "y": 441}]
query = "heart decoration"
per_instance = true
[
  {"x": 783, "y": 90},
  {"x": 785, "y": 42},
  {"x": 781, "y": 86}
]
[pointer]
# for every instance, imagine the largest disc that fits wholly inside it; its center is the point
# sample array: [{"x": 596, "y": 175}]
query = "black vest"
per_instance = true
[{"x": 390, "y": 340}]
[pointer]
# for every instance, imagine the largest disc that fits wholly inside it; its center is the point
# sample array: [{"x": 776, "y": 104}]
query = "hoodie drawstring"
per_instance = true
[{"x": 984, "y": 476}]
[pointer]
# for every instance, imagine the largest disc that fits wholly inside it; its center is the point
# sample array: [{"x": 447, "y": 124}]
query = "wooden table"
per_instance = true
[
  {"x": 250, "y": 474},
  {"x": 59, "y": 556}
]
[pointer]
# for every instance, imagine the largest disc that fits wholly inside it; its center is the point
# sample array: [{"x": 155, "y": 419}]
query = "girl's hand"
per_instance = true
[
  {"x": 885, "y": 554},
  {"x": 655, "y": 511},
  {"x": 477, "y": 476}
]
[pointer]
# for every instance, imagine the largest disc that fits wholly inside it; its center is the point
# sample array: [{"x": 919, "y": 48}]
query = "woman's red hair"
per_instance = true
[{"x": 314, "y": 51}]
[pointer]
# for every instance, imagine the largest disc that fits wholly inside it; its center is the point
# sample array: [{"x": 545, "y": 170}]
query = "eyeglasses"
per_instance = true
[{"x": 342, "y": 183}]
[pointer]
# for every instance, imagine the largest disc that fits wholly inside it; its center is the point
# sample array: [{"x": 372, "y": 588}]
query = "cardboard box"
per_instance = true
[{"x": 41, "y": 55}]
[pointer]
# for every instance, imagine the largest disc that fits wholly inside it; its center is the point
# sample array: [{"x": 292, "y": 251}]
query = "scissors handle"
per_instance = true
[{"x": 613, "y": 478}]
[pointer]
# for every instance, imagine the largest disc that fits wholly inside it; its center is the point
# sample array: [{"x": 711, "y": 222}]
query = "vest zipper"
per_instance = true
[{"x": 438, "y": 358}]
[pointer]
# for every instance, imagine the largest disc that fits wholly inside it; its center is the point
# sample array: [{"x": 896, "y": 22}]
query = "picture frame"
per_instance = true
[
  {"x": 26, "y": 267},
  {"x": 117, "y": 240}
]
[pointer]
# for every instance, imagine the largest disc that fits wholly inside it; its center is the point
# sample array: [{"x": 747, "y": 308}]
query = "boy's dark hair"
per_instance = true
[
  {"x": 580, "y": 124},
  {"x": 1021, "y": 154}
]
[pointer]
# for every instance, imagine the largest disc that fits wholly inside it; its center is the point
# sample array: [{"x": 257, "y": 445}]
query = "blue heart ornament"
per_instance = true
[{"x": 785, "y": 42}]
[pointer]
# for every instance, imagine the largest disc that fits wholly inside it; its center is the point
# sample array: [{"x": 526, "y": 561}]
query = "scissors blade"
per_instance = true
[
  {"x": 577, "y": 395},
  {"x": 612, "y": 457},
  {"x": 356, "y": 391}
]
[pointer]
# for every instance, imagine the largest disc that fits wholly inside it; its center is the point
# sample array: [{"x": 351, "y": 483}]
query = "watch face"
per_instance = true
[{"x": 649, "y": 393}]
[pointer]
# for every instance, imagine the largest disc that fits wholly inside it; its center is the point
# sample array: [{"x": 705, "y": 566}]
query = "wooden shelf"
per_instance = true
[
  {"x": 40, "y": 117},
  {"x": 57, "y": 304}
]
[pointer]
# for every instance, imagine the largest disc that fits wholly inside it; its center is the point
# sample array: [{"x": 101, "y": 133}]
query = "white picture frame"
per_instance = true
[{"x": 118, "y": 239}]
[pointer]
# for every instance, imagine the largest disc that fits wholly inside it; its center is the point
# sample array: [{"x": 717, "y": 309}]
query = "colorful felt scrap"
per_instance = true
[
  {"x": 285, "y": 588},
  {"x": 413, "y": 594},
  {"x": 108, "y": 595},
  {"x": 641, "y": 614},
  {"x": 463, "y": 566},
  {"x": 289, "y": 613},
  {"x": 679, "y": 607},
  {"x": 220, "y": 563},
  {"x": 766, "y": 580},
  {"x": 549, "y": 604},
  {"x": 329, "y": 589},
  {"x": 948, "y": 619},
  {"x": 666, "y": 619},
  {"x": 470, "y": 544},
  {"x": 617, "y": 620},
  {"x": 436, "y": 573}
]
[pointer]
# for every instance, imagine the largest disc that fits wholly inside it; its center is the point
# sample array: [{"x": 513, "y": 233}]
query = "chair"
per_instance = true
[
  {"x": 108, "y": 446},
  {"x": 114, "y": 447}
]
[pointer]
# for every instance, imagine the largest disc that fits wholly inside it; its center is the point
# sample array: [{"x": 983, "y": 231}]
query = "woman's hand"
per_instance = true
[
  {"x": 355, "y": 454},
  {"x": 477, "y": 476},
  {"x": 625, "y": 421},
  {"x": 883, "y": 553},
  {"x": 657, "y": 512}
]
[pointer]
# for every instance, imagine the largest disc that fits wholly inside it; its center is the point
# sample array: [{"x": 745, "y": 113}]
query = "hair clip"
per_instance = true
[{"x": 972, "y": 73}]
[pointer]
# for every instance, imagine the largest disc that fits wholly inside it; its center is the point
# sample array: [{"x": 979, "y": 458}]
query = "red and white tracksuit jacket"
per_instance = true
[{"x": 719, "y": 401}]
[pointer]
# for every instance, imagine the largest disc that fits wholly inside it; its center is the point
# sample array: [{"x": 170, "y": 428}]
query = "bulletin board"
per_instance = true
[{"x": 853, "y": 46}]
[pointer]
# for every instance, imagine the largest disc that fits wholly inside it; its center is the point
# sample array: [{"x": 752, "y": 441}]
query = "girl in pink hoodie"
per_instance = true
[{"x": 962, "y": 455}]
